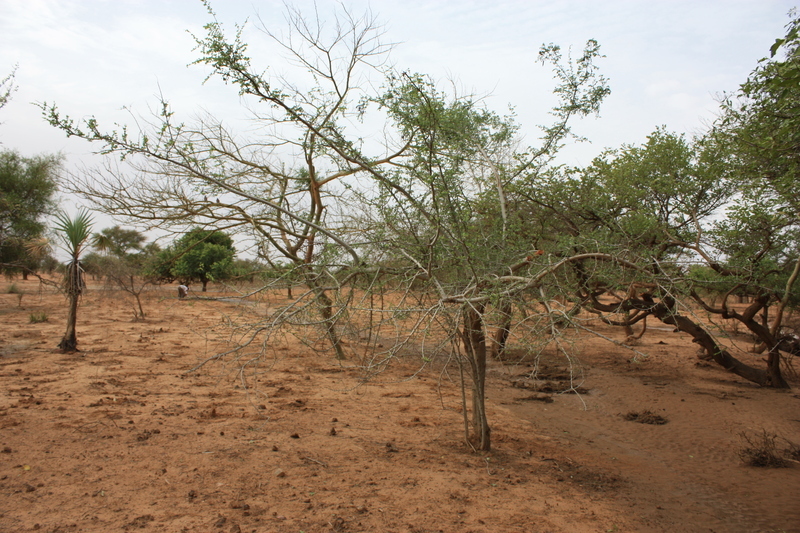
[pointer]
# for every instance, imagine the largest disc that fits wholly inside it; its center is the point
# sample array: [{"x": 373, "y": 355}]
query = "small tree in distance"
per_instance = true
[
  {"x": 200, "y": 255},
  {"x": 122, "y": 262}
]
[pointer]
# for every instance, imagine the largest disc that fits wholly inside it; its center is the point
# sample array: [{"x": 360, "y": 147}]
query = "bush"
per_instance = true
[
  {"x": 762, "y": 449},
  {"x": 13, "y": 289},
  {"x": 38, "y": 317}
]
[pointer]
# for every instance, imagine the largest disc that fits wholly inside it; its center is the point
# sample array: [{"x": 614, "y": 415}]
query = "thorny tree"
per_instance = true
[{"x": 356, "y": 220}]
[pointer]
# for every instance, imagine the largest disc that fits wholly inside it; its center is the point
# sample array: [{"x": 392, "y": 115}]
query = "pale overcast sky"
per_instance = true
[{"x": 666, "y": 60}]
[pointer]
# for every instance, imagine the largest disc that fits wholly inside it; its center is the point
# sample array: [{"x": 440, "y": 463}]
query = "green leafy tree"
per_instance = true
[
  {"x": 655, "y": 209},
  {"x": 118, "y": 241},
  {"x": 200, "y": 255},
  {"x": 27, "y": 190},
  {"x": 758, "y": 240},
  {"x": 446, "y": 214},
  {"x": 74, "y": 233}
]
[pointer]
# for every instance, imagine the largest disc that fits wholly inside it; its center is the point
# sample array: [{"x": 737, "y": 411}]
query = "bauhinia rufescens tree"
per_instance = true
[{"x": 344, "y": 212}]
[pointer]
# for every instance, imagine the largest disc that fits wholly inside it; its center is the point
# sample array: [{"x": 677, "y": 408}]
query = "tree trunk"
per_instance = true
[
  {"x": 137, "y": 296},
  {"x": 475, "y": 346},
  {"x": 70, "y": 341},
  {"x": 501, "y": 335},
  {"x": 326, "y": 311},
  {"x": 205, "y": 284},
  {"x": 765, "y": 378}
]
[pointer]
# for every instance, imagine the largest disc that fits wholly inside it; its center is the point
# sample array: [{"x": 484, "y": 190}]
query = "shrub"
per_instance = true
[
  {"x": 38, "y": 317},
  {"x": 761, "y": 449}
]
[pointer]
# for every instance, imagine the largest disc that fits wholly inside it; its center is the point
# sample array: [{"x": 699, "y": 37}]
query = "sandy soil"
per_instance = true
[{"x": 120, "y": 437}]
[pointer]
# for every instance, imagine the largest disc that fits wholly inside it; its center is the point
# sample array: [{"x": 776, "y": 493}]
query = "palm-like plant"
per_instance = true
[{"x": 74, "y": 232}]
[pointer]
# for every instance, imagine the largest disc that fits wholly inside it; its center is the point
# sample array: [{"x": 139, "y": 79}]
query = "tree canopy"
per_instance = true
[
  {"x": 27, "y": 194},
  {"x": 118, "y": 241},
  {"x": 200, "y": 255}
]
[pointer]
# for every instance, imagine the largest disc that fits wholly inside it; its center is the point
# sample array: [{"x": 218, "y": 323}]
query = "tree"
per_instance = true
[
  {"x": 74, "y": 234},
  {"x": 200, "y": 255},
  {"x": 277, "y": 191},
  {"x": 759, "y": 239},
  {"x": 342, "y": 211},
  {"x": 27, "y": 188},
  {"x": 434, "y": 219},
  {"x": 118, "y": 241},
  {"x": 655, "y": 209},
  {"x": 123, "y": 263},
  {"x": 761, "y": 123}
]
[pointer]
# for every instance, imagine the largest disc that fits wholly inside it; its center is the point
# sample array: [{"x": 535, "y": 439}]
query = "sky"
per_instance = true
[{"x": 667, "y": 62}]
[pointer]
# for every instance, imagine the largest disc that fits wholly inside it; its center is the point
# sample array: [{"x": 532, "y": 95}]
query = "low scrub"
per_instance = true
[
  {"x": 765, "y": 449},
  {"x": 38, "y": 317}
]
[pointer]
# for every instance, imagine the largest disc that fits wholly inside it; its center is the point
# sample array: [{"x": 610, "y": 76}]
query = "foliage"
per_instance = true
[
  {"x": 118, "y": 241},
  {"x": 27, "y": 189},
  {"x": 200, "y": 255},
  {"x": 761, "y": 123},
  {"x": 451, "y": 223},
  {"x": 758, "y": 239}
]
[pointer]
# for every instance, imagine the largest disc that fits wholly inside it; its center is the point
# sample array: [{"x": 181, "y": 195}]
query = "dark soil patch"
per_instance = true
[{"x": 646, "y": 417}]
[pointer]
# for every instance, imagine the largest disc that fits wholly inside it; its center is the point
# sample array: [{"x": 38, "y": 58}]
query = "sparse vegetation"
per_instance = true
[
  {"x": 13, "y": 289},
  {"x": 480, "y": 242},
  {"x": 37, "y": 317},
  {"x": 766, "y": 449}
]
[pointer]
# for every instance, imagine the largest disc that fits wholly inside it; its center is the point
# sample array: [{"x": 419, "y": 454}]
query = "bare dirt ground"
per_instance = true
[{"x": 119, "y": 437}]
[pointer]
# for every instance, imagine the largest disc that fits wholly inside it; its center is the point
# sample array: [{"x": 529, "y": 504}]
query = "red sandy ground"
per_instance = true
[{"x": 119, "y": 437}]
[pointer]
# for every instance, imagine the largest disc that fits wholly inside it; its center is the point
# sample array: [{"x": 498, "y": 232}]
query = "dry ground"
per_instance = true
[{"x": 119, "y": 437}]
